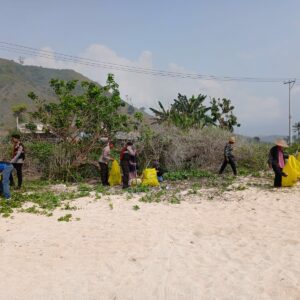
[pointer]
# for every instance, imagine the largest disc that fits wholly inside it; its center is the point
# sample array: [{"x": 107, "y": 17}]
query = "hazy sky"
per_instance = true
[{"x": 225, "y": 38}]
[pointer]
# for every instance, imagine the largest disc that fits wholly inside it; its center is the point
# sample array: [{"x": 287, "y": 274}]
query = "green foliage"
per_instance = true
[
  {"x": 222, "y": 114},
  {"x": 252, "y": 156},
  {"x": 94, "y": 112},
  {"x": 31, "y": 126},
  {"x": 174, "y": 199},
  {"x": 192, "y": 113},
  {"x": 19, "y": 109},
  {"x": 135, "y": 207},
  {"x": 111, "y": 206},
  {"x": 66, "y": 218},
  {"x": 187, "y": 174},
  {"x": 15, "y": 82},
  {"x": 84, "y": 188},
  {"x": 159, "y": 196},
  {"x": 43, "y": 153},
  {"x": 139, "y": 189},
  {"x": 293, "y": 149},
  {"x": 78, "y": 120}
]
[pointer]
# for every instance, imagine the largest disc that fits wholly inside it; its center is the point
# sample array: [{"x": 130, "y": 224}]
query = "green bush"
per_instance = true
[{"x": 199, "y": 149}]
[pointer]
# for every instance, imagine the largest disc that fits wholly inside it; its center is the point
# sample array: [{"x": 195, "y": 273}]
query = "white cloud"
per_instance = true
[{"x": 253, "y": 111}]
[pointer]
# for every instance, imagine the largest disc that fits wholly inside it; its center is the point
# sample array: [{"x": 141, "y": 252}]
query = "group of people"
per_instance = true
[
  {"x": 276, "y": 161},
  {"x": 128, "y": 162},
  {"x": 6, "y": 168}
]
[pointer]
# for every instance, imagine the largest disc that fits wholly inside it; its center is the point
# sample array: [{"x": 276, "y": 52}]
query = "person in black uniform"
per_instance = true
[
  {"x": 277, "y": 161},
  {"x": 125, "y": 163}
]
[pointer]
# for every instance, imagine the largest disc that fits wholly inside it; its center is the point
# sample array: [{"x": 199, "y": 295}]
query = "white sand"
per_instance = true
[{"x": 247, "y": 248}]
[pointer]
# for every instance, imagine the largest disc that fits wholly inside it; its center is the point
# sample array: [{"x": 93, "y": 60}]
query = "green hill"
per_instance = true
[{"x": 17, "y": 80}]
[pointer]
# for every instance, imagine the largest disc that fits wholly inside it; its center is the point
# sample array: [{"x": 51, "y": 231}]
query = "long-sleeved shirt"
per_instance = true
[
  {"x": 228, "y": 151},
  {"x": 274, "y": 157},
  {"x": 105, "y": 156},
  {"x": 18, "y": 154}
]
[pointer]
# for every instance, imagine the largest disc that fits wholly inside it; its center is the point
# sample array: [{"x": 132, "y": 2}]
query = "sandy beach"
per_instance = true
[{"x": 246, "y": 246}]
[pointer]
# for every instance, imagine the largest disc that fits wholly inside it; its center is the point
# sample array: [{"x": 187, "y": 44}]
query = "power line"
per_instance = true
[
  {"x": 30, "y": 51},
  {"x": 291, "y": 84}
]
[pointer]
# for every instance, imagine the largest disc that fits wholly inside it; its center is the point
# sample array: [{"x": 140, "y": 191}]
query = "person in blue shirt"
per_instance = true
[{"x": 5, "y": 170}]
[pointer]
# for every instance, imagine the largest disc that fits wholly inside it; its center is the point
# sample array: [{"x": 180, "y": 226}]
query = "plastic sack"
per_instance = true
[
  {"x": 150, "y": 177},
  {"x": 135, "y": 181},
  {"x": 292, "y": 169},
  {"x": 115, "y": 177}
]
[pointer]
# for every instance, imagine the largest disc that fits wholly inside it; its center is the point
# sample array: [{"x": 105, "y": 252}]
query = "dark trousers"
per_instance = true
[
  {"x": 18, "y": 168},
  {"x": 278, "y": 175},
  {"x": 104, "y": 173},
  {"x": 232, "y": 164},
  {"x": 125, "y": 170}
]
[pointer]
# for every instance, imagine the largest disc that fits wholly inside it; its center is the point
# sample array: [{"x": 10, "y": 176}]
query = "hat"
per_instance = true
[
  {"x": 232, "y": 139},
  {"x": 281, "y": 143}
]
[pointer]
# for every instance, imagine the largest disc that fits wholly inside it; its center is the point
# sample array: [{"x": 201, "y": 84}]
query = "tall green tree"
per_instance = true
[
  {"x": 191, "y": 112},
  {"x": 91, "y": 113},
  {"x": 18, "y": 111},
  {"x": 222, "y": 114},
  {"x": 184, "y": 113}
]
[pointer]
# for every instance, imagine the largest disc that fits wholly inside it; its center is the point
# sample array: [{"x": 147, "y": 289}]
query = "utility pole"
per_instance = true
[{"x": 291, "y": 84}]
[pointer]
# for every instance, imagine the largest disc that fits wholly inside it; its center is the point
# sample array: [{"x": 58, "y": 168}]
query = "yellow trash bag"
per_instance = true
[
  {"x": 115, "y": 177},
  {"x": 292, "y": 169},
  {"x": 295, "y": 164},
  {"x": 150, "y": 177}
]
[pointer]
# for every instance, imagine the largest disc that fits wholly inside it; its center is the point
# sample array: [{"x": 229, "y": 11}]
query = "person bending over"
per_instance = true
[{"x": 5, "y": 170}]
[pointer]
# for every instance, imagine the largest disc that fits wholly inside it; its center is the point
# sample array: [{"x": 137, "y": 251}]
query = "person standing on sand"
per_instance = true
[
  {"x": 125, "y": 158},
  {"x": 6, "y": 169},
  {"x": 229, "y": 157},
  {"x": 276, "y": 161},
  {"x": 17, "y": 160},
  {"x": 132, "y": 162},
  {"x": 103, "y": 162}
]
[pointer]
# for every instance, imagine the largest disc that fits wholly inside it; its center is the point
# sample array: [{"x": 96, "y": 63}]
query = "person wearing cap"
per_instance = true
[
  {"x": 5, "y": 170},
  {"x": 229, "y": 157},
  {"x": 17, "y": 160},
  {"x": 276, "y": 160},
  {"x": 103, "y": 162}
]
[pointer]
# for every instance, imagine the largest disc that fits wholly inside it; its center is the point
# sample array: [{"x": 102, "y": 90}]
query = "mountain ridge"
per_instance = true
[{"x": 17, "y": 80}]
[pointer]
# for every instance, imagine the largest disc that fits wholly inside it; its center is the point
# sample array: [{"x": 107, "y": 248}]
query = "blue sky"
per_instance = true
[{"x": 232, "y": 38}]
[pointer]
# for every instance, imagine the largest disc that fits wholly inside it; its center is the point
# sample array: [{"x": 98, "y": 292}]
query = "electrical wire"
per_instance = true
[{"x": 57, "y": 56}]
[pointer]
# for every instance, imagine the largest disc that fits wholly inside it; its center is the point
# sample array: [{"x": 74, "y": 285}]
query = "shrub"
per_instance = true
[{"x": 198, "y": 149}]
